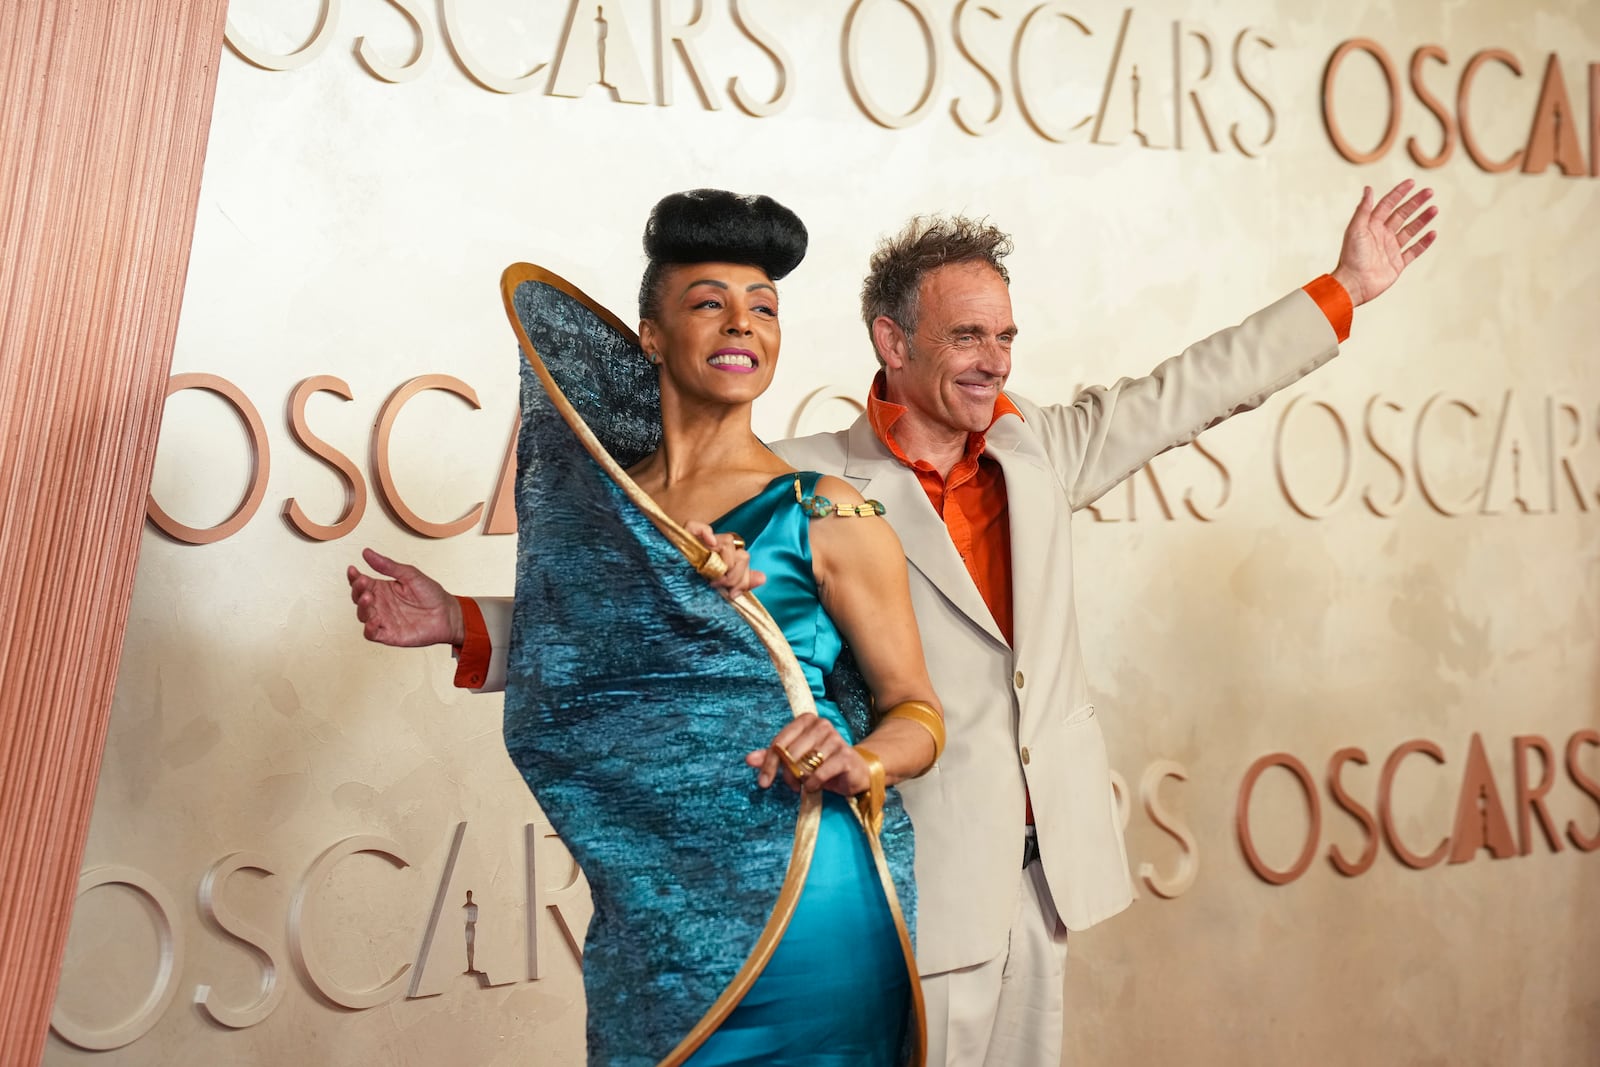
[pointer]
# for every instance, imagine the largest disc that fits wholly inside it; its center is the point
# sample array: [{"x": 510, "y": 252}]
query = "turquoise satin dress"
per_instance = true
[{"x": 836, "y": 992}]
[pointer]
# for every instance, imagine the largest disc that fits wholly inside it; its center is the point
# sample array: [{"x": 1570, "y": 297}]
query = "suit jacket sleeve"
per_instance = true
[{"x": 1108, "y": 432}]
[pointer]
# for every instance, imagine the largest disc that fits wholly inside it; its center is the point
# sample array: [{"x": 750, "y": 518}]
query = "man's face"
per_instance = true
[{"x": 949, "y": 373}]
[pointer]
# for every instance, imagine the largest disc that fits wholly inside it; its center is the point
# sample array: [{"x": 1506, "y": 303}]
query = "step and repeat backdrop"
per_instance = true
[{"x": 1346, "y": 648}]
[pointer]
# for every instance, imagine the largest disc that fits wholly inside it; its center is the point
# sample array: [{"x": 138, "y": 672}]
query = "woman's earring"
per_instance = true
[{"x": 654, "y": 358}]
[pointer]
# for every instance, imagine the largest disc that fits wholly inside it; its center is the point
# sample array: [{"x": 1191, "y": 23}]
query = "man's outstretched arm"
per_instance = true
[
  {"x": 1107, "y": 433},
  {"x": 408, "y": 609}
]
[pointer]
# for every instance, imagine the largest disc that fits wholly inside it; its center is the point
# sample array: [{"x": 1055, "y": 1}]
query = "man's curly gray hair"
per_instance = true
[{"x": 927, "y": 242}]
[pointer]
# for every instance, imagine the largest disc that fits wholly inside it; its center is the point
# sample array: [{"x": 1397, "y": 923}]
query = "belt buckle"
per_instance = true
[{"x": 1030, "y": 846}]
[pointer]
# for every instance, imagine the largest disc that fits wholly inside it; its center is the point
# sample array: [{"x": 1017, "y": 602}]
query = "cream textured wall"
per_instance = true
[{"x": 355, "y": 227}]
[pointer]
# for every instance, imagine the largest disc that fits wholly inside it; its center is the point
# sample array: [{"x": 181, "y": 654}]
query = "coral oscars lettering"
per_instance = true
[
  {"x": 1556, "y": 130},
  {"x": 1483, "y": 812}
]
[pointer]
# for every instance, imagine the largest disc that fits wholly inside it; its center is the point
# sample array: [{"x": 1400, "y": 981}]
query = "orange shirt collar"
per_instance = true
[{"x": 883, "y": 413}]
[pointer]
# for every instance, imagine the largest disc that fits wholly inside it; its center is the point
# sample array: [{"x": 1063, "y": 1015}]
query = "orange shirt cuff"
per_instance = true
[
  {"x": 1335, "y": 304},
  {"x": 472, "y": 658}
]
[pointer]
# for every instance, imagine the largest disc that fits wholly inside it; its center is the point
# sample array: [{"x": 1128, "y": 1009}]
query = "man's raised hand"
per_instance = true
[{"x": 1381, "y": 240}]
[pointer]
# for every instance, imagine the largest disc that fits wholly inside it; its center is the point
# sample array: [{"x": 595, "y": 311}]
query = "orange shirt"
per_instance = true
[
  {"x": 972, "y": 502},
  {"x": 472, "y": 658}
]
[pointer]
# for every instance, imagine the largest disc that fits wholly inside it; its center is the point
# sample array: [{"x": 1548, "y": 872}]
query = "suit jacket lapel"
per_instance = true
[
  {"x": 1033, "y": 499},
  {"x": 879, "y": 476}
]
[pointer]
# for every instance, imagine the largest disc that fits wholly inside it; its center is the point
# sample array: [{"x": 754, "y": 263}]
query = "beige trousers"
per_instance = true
[{"x": 1007, "y": 1012}]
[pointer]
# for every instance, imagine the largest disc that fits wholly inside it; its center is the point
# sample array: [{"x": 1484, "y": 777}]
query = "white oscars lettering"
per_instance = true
[
  {"x": 856, "y": 64},
  {"x": 440, "y": 898},
  {"x": 567, "y": 902},
  {"x": 1189, "y": 853},
  {"x": 1424, "y": 482},
  {"x": 681, "y": 36},
  {"x": 1187, "y": 89},
  {"x": 215, "y": 908},
  {"x": 597, "y": 49},
  {"x": 1248, "y": 36},
  {"x": 1224, "y": 490},
  {"x": 381, "y": 68},
  {"x": 321, "y": 35},
  {"x": 1508, "y": 479},
  {"x": 1386, "y": 452},
  {"x": 1119, "y": 794},
  {"x": 303, "y": 914},
  {"x": 1022, "y": 70},
  {"x": 1561, "y": 451},
  {"x": 1346, "y": 459},
  {"x": 1164, "y": 820},
  {"x": 476, "y": 69},
  {"x": 808, "y": 417},
  {"x": 163, "y": 987},
  {"x": 772, "y": 45},
  {"x": 984, "y": 66}
]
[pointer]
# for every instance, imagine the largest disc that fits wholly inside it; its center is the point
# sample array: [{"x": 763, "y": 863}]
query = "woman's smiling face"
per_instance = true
[{"x": 717, "y": 333}]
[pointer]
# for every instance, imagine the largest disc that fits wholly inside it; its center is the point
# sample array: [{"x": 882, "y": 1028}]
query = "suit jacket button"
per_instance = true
[
  {"x": 1018, "y": 679},
  {"x": 1024, "y": 753}
]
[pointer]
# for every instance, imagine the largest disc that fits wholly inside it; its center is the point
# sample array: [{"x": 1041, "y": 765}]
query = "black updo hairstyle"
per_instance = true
[{"x": 716, "y": 226}]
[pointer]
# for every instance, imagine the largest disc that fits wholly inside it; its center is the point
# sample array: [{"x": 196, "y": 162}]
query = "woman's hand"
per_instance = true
[
  {"x": 818, "y": 757},
  {"x": 738, "y": 578}
]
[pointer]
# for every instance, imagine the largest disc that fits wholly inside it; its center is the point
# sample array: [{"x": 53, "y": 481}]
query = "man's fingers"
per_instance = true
[
  {"x": 1358, "y": 219},
  {"x": 1392, "y": 198},
  {"x": 1420, "y": 247},
  {"x": 386, "y": 566},
  {"x": 1406, "y": 233},
  {"x": 1407, "y": 209}
]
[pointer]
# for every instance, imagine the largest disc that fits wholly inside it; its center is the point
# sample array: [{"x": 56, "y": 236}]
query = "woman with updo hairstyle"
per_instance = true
[
  {"x": 832, "y": 573},
  {"x": 750, "y": 874}
]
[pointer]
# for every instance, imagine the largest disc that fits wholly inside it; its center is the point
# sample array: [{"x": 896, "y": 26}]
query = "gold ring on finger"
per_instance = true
[{"x": 813, "y": 759}]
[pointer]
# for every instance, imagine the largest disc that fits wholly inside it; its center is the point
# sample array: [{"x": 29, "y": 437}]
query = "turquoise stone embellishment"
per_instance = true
[{"x": 817, "y": 506}]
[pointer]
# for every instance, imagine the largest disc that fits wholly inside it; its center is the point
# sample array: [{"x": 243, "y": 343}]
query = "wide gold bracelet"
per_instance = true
[
  {"x": 870, "y": 802},
  {"x": 924, "y": 716}
]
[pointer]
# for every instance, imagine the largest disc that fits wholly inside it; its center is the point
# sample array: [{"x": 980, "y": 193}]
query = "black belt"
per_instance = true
[{"x": 1030, "y": 845}]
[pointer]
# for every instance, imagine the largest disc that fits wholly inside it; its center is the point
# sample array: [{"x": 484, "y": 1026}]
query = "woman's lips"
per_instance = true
[{"x": 734, "y": 360}]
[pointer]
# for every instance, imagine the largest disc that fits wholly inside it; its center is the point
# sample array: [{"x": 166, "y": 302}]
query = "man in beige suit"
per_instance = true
[{"x": 1018, "y": 839}]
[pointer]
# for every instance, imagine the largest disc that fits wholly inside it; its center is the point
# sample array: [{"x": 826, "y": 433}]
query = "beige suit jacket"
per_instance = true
[{"x": 1018, "y": 717}]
